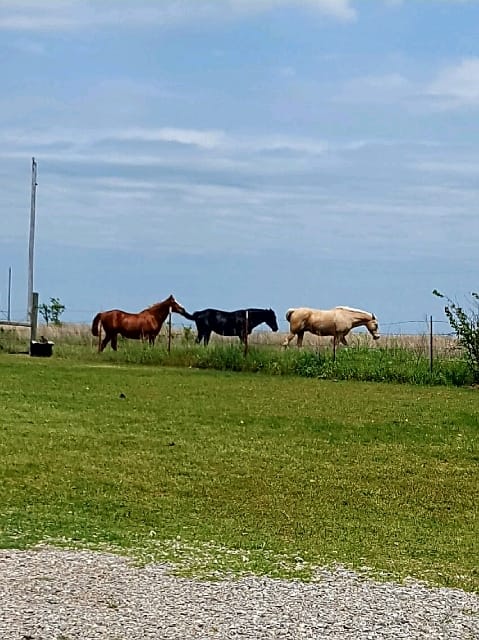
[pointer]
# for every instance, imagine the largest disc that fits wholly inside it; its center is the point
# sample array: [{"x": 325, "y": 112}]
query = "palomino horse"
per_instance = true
[
  {"x": 336, "y": 322},
  {"x": 140, "y": 326},
  {"x": 230, "y": 323}
]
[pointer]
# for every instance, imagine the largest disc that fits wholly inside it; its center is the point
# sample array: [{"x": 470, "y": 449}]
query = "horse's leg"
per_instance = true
[
  {"x": 206, "y": 337},
  {"x": 299, "y": 342},
  {"x": 342, "y": 339},
  {"x": 114, "y": 342},
  {"x": 199, "y": 332},
  {"x": 104, "y": 342},
  {"x": 288, "y": 340}
]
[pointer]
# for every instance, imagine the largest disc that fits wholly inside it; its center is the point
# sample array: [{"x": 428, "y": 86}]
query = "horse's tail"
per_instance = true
[
  {"x": 289, "y": 313},
  {"x": 95, "y": 324}
]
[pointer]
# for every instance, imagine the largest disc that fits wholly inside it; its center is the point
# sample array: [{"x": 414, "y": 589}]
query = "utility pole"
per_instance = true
[
  {"x": 32, "y": 241},
  {"x": 9, "y": 293}
]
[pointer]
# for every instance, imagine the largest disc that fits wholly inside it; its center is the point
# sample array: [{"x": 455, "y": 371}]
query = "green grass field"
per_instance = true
[
  {"x": 240, "y": 472},
  {"x": 392, "y": 359}
]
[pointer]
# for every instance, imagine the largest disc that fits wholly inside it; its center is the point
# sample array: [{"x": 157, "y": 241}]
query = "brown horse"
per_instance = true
[
  {"x": 140, "y": 326},
  {"x": 336, "y": 322}
]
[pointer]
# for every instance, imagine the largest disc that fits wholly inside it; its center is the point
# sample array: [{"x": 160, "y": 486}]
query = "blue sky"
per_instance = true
[{"x": 272, "y": 153}]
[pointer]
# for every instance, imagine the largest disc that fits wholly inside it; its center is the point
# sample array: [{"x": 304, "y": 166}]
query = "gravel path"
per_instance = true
[{"x": 79, "y": 595}]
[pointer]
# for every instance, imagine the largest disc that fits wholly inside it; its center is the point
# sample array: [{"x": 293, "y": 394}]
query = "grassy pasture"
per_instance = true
[
  {"x": 392, "y": 359},
  {"x": 232, "y": 472}
]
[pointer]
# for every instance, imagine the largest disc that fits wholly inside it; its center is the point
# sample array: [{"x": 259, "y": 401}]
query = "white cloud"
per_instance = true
[
  {"x": 200, "y": 138},
  {"x": 27, "y": 15},
  {"x": 457, "y": 85}
]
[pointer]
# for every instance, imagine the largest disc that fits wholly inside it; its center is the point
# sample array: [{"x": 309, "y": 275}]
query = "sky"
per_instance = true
[{"x": 239, "y": 153}]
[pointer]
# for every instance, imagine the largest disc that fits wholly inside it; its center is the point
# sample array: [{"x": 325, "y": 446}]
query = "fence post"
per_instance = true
[
  {"x": 246, "y": 333},
  {"x": 430, "y": 344},
  {"x": 34, "y": 317},
  {"x": 169, "y": 330}
]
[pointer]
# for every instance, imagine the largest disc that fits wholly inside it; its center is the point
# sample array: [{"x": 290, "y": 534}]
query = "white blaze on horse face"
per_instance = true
[{"x": 374, "y": 329}]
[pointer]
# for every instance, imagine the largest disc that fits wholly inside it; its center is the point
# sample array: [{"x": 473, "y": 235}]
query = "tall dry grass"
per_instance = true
[{"x": 80, "y": 333}]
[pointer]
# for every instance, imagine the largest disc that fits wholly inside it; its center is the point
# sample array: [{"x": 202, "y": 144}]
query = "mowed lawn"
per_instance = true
[{"x": 232, "y": 472}]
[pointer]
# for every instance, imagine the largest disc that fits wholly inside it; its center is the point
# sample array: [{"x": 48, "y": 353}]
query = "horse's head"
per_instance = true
[
  {"x": 373, "y": 327},
  {"x": 271, "y": 320},
  {"x": 175, "y": 306}
]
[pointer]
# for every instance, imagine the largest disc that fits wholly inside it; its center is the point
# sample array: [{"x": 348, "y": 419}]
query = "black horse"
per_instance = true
[{"x": 230, "y": 323}]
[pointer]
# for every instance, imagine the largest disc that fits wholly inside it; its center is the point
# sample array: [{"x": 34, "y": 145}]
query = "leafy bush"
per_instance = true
[
  {"x": 52, "y": 312},
  {"x": 466, "y": 326}
]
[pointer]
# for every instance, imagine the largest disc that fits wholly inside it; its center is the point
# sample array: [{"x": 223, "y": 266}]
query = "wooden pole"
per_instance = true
[
  {"x": 9, "y": 299},
  {"x": 246, "y": 319},
  {"x": 169, "y": 330},
  {"x": 34, "y": 317},
  {"x": 31, "y": 243},
  {"x": 430, "y": 345}
]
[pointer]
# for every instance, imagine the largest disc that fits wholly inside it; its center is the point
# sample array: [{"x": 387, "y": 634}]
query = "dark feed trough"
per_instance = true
[{"x": 41, "y": 348}]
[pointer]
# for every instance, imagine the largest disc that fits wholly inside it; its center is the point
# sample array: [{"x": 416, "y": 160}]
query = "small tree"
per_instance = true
[
  {"x": 52, "y": 312},
  {"x": 466, "y": 326}
]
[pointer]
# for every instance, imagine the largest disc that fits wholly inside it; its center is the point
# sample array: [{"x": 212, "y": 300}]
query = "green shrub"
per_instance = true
[{"x": 466, "y": 327}]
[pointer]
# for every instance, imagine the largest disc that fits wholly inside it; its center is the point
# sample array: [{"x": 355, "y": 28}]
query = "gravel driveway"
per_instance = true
[{"x": 51, "y": 594}]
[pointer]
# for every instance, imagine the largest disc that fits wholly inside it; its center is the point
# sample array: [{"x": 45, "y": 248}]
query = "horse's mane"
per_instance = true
[
  {"x": 154, "y": 306},
  {"x": 354, "y": 309}
]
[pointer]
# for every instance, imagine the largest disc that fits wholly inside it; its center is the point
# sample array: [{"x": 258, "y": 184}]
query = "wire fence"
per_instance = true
[
  {"x": 399, "y": 327},
  {"x": 425, "y": 337}
]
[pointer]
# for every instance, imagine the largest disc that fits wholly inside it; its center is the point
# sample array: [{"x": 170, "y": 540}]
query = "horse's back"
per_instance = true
[
  {"x": 318, "y": 321},
  {"x": 210, "y": 316},
  {"x": 113, "y": 317},
  {"x": 298, "y": 317},
  {"x": 330, "y": 322},
  {"x": 129, "y": 325},
  {"x": 225, "y": 323}
]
